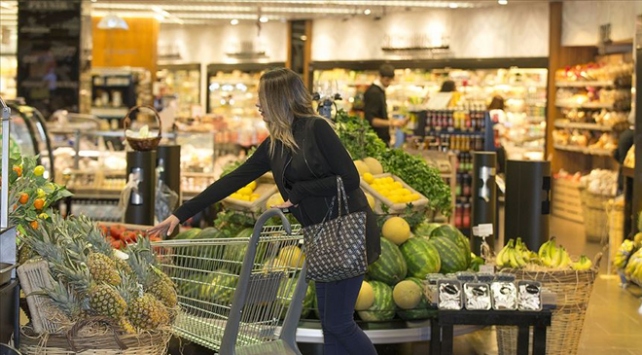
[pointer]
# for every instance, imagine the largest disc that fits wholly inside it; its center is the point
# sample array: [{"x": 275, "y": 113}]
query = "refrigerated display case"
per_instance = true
[{"x": 29, "y": 131}]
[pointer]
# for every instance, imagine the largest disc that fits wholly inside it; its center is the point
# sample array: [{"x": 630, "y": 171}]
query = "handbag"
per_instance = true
[{"x": 336, "y": 249}]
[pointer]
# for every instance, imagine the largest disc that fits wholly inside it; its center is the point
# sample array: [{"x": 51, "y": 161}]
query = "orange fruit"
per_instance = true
[
  {"x": 18, "y": 170},
  {"x": 34, "y": 224},
  {"x": 24, "y": 197},
  {"x": 39, "y": 203}
]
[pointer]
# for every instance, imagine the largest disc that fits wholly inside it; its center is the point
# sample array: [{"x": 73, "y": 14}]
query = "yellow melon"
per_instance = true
[
  {"x": 362, "y": 168},
  {"x": 371, "y": 200},
  {"x": 407, "y": 294},
  {"x": 373, "y": 165},
  {"x": 366, "y": 297},
  {"x": 275, "y": 199},
  {"x": 292, "y": 256},
  {"x": 396, "y": 230},
  {"x": 274, "y": 265}
]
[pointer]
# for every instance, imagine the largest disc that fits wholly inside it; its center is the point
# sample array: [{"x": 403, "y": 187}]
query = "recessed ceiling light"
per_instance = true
[
  {"x": 263, "y": 19},
  {"x": 453, "y": 5},
  {"x": 502, "y": 2},
  {"x": 366, "y": 12},
  {"x": 234, "y": 22}
]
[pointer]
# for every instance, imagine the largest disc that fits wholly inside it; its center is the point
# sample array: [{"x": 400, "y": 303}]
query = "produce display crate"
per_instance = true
[
  {"x": 572, "y": 291},
  {"x": 595, "y": 217},
  {"x": 567, "y": 202},
  {"x": 264, "y": 190},
  {"x": 615, "y": 214},
  {"x": 393, "y": 208}
]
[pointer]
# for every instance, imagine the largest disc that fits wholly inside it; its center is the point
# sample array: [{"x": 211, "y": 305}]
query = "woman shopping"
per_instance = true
[{"x": 307, "y": 159}]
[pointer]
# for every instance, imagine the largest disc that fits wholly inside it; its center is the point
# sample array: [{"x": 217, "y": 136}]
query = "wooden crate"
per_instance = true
[
  {"x": 566, "y": 200},
  {"x": 393, "y": 208}
]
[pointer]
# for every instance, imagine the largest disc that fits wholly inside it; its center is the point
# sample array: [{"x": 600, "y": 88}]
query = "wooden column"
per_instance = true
[
  {"x": 560, "y": 57},
  {"x": 136, "y": 47}
]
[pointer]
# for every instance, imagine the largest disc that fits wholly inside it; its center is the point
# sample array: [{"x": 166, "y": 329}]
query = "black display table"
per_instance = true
[{"x": 442, "y": 328}]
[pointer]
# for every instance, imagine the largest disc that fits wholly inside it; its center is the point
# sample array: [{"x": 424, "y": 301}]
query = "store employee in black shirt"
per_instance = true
[{"x": 374, "y": 104}]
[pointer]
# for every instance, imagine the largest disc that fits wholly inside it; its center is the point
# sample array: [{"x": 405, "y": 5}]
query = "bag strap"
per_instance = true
[{"x": 342, "y": 197}]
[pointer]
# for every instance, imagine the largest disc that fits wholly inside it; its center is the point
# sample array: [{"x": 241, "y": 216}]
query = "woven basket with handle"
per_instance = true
[
  {"x": 142, "y": 144},
  {"x": 573, "y": 291}
]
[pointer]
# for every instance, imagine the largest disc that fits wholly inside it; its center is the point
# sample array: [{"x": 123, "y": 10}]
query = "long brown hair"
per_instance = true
[{"x": 283, "y": 96}]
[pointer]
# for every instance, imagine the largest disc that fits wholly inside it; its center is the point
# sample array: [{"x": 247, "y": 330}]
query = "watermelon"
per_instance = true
[
  {"x": 390, "y": 267},
  {"x": 457, "y": 237},
  {"x": 286, "y": 292},
  {"x": 421, "y": 257},
  {"x": 236, "y": 252},
  {"x": 452, "y": 257},
  {"x": 383, "y": 308},
  {"x": 188, "y": 234},
  {"x": 220, "y": 288},
  {"x": 421, "y": 311},
  {"x": 425, "y": 228}
]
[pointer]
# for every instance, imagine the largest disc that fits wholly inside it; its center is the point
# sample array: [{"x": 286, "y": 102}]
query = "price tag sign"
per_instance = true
[{"x": 483, "y": 230}]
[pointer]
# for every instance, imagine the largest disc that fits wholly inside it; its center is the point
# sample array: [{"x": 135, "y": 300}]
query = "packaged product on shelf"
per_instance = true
[
  {"x": 450, "y": 294},
  {"x": 529, "y": 296},
  {"x": 504, "y": 293},
  {"x": 477, "y": 296}
]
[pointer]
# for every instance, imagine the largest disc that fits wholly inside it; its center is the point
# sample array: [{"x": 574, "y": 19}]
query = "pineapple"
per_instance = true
[
  {"x": 126, "y": 326},
  {"x": 154, "y": 281},
  {"x": 103, "y": 269},
  {"x": 65, "y": 298},
  {"x": 106, "y": 301},
  {"x": 147, "y": 313},
  {"x": 25, "y": 253}
]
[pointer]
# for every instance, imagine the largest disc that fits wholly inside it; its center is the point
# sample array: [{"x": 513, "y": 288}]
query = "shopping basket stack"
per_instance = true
[{"x": 233, "y": 291}]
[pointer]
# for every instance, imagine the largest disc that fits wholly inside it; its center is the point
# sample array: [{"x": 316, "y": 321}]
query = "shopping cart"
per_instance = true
[{"x": 235, "y": 307}]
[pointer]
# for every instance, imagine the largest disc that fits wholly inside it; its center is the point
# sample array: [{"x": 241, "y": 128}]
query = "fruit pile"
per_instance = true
[
  {"x": 246, "y": 193},
  {"x": 391, "y": 189},
  {"x": 92, "y": 279},
  {"x": 120, "y": 236},
  {"x": 516, "y": 255}
]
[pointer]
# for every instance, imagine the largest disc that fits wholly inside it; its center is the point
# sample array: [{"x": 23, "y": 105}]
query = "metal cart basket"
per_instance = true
[{"x": 233, "y": 292}]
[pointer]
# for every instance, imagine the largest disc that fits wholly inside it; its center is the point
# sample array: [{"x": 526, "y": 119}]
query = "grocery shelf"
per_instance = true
[
  {"x": 582, "y": 84},
  {"x": 589, "y": 105},
  {"x": 561, "y": 123},
  {"x": 583, "y": 150}
]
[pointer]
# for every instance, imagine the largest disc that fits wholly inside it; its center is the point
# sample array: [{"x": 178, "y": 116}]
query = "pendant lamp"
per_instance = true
[{"x": 112, "y": 22}]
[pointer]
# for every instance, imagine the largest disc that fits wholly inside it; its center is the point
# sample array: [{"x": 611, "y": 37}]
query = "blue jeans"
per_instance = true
[{"x": 341, "y": 335}]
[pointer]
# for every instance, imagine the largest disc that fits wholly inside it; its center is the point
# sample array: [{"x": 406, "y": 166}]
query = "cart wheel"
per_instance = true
[{"x": 8, "y": 350}]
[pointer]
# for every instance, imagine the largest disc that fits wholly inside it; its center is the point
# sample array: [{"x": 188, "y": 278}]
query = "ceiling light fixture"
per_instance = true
[
  {"x": 263, "y": 19},
  {"x": 112, "y": 22},
  {"x": 453, "y": 5},
  {"x": 234, "y": 22},
  {"x": 367, "y": 12},
  {"x": 502, "y": 2}
]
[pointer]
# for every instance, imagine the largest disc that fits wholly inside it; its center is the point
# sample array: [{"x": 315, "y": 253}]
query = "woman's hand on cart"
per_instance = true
[{"x": 165, "y": 227}]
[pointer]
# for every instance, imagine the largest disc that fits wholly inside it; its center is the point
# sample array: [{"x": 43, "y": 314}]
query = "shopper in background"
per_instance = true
[
  {"x": 375, "y": 107},
  {"x": 305, "y": 156},
  {"x": 498, "y": 116},
  {"x": 448, "y": 86}
]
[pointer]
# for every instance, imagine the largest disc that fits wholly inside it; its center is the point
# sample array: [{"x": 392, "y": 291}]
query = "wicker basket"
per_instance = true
[
  {"x": 142, "y": 144},
  {"x": 109, "y": 342},
  {"x": 595, "y": 218},
  {"x": 34, "y": 277},
  {"x": 615, "y": 213},
  {"x": 573, "y": 291}
]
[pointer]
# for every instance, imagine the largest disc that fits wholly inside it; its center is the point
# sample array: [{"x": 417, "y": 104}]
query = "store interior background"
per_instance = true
[{"x": 547, "y": 35}]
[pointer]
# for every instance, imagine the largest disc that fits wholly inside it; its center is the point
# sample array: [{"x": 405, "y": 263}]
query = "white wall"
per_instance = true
[
  {"x": 208, "y": 44},
  {"x": 582, "y": 20},
  {"x": 519, "y": 30}
]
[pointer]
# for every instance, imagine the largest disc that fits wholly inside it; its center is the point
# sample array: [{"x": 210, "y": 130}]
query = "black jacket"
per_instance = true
[
  {"x": 375, "y": 106},
  {"x": 307, "y": 178}
]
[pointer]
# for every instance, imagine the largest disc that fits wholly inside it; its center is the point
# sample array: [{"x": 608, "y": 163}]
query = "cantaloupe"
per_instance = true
[
  {"x": 366, "y": 297},
  {"x": 274, "y": 265},
  {"x": 407, "y": 294},
  {"x": 396, "y": 230},
  {"x": 373, "y": 165},
  {"x": 371, "y": 200},
  {"x": 361, "y": 167},
  {"x": 292, "y": 256},
  {"x": 275, "y": 199}
]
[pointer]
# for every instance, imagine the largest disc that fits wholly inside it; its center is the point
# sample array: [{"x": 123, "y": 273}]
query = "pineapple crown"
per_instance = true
[
  {"x": 66, "y": 299},
  {"x": 128, "y": 289}
]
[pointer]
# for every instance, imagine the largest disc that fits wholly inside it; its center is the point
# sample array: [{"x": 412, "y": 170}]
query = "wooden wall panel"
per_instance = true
[
  {"x": 560, "y": 57},
  {"x": 136, "y": 47}
]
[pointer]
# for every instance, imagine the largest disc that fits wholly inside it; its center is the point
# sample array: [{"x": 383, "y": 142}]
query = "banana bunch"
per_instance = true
[
  {"x": 623, "y": 253},
  {"x": 583, "y": 264},
  {"x": 528, "y": 255},
  {"x": 554, "y": 256},
  {"x": 509, "y": 256},
  {"x": 633, "y": 269}
]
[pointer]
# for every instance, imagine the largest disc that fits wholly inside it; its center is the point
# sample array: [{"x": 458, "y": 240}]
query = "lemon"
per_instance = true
[
  {"x": 245, "y": 191},
  {"x": 368, "y": 178},
  {"x": 251, "y": 185}
]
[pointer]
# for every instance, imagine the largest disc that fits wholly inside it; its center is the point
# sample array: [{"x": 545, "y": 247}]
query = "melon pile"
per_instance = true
[{"x": 394, "y": 283}]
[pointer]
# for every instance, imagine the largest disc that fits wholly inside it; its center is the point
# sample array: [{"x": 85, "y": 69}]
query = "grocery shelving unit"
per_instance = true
[{"x": 183, "y": 82}]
